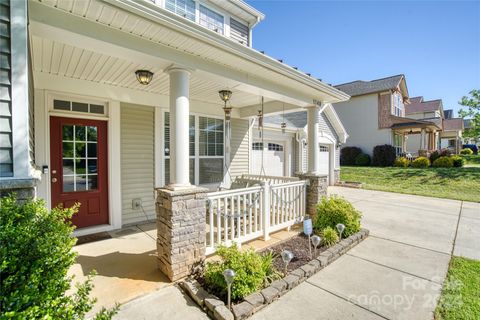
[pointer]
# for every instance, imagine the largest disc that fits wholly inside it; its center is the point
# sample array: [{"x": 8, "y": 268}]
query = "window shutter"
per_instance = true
[{"x": 239, "y": 32}]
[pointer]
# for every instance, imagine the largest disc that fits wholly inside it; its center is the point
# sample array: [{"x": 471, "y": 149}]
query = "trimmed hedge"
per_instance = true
[
  {"x": 458, "y": 161},
  {"x": 443, "y": 162},
  {"x": 384, "y": 155},
  {"x": 401, "y": 162},
  {"x": 334, "y": 210},
  {"x": 466, "y": 151},
  {"x": 439, "y": 153},
  {"x": 421, "y": 162},
  {"x": 362, "y": 159},
  {"x": 348, "y": 155}
]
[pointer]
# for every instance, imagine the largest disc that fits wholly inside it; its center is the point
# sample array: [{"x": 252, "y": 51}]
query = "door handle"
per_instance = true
[{"x": 54, "y": 180}]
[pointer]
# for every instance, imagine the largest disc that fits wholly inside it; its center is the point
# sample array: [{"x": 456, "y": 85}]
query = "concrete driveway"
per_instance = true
[{"x": 397, "y": 272}]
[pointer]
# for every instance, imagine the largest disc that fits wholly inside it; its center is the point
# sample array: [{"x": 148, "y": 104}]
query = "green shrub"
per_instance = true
[
  {"x": 421, "y": 162},
  {"x": 439, "y": 153},
  {"x": 334, "y": 210},
  {"x": 35, "y": 255},
  {"x": 362, "y": 159},
  {"x": 252, "y": 271},
  {"x": 443, "y": 162},
  {"x": 329, "y": 236},
  {"x": 384, "y": 155},
  {"x": 348, "y": 155},
  {"x": 458, "y": 161},
  {"x": 401, "y": 162},
  {"x": 467, "y": 151}
]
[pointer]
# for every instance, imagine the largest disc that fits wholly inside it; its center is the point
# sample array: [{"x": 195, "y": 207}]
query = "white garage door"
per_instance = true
[
  {"x": 273, "y": 158},
  {"x": 323, "y": 168}
]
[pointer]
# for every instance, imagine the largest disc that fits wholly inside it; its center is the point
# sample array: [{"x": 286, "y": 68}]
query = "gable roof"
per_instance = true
[
  {"x": 453, "y": 124},
  {"x": 418, "y": 105},
  {"x": 298, "y": 120},
  {"x": 360, "y": 87}
]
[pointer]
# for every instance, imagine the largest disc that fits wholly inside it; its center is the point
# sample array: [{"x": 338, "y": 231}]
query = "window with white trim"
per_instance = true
[
  {"x": 275, "y": 147},
  {"x": 257, "y": 146},
  {"x": 323, "y": 149},
  {"x": 184, "y": 8},
  {"x": 206, "y": 157},
  {"x": 77, "y": 106},
  {"x": 398, "y": 105},
  {"x": 211, "y": 19}
]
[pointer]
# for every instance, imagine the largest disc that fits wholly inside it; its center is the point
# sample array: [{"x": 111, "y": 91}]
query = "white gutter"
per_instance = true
[{"x": 154, "y": 12}]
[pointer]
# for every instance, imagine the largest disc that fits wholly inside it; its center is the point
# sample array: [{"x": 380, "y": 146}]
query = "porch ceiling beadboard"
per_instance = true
[
  {"x": 137, "y": 161},
  {"x": 166, "y": 37},
  {"x": 240, "y": 147}
]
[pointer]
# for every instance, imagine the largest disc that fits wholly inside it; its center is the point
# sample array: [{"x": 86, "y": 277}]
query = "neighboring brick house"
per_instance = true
[{"x": 376, "y": 115}]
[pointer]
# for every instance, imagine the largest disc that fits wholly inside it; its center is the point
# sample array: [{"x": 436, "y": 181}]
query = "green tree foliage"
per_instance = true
[
  {"x": 35, "y": 255},
  {"x": 472, "y": 111}
]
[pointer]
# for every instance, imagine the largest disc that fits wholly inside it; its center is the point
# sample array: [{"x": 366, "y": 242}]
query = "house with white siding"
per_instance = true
[
  {"x": 114, "y": 104},
  {"x": 379, "y": 113}
]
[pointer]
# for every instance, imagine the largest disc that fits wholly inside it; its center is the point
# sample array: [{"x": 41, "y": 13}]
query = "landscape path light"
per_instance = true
[
  {"x": 287, "y": 256},
  {"x": 340, "y": 229},
  {"x": 229, "y": 276},
  {"x": 316, "y": 241}
]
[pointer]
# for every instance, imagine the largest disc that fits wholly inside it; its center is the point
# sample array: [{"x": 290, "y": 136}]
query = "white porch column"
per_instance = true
[
  {"x": 179, "y": 127},
  {"x": 313, "y": 147},
  {"x": 422, "y": 139}
]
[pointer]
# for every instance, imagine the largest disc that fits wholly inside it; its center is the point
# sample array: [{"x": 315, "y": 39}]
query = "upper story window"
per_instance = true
[
  {"x": 239, "y": 32},
  {"x": 184, "y": 8},
  {"x": 398, "y": 105},
  {"x": 211, "y": 20}
]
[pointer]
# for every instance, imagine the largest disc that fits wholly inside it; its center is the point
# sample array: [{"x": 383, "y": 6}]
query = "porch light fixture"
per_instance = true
[
  {"x": 225, "y": 95},
  {"x": 283, "y": 125},
  {"x": 144, "y": 76}
]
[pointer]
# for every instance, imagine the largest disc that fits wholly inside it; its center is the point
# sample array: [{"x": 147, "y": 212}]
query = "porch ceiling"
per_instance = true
[
  {"x": 63, "y": 60},
  {"x": 142, "y": 31}
]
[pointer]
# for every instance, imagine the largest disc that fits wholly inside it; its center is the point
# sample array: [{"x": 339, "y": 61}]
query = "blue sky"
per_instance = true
[{"x": 436, "y": 44}]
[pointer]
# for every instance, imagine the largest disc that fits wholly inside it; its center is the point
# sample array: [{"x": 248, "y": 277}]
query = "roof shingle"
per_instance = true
[{"x": 359, "y": 87}]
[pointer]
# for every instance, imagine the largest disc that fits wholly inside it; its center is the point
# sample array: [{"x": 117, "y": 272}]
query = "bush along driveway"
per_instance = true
[{"x": 450, "y": 183}]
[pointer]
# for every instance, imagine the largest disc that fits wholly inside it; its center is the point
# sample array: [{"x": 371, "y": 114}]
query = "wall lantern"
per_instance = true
[{"x": 144, "y": 76}]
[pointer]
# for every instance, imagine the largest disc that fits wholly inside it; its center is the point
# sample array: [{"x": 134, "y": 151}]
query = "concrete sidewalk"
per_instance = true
[{"x": 397, "y": 272}]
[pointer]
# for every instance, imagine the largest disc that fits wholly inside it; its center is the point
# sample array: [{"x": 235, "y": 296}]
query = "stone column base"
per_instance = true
[
  {"x": 316, "y": 189},
  {"x": 337, "y": 176},
  {"x": 24, "y": 189},
  {"x": 180, "y": 230}
]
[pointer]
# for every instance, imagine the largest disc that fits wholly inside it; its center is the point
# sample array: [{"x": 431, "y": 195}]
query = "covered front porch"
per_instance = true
[
  {"x": 139, "y": 121},
  {"x": 416, "y": 137}
]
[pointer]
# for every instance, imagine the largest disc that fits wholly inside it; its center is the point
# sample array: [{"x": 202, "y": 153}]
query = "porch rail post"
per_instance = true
[{"x": 266, "y": 210}]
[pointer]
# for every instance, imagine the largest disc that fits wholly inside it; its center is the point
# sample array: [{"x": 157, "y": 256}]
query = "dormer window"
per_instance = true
[
  {"x": 184, "y": 8},
  {"x": 211, "y": 20}
]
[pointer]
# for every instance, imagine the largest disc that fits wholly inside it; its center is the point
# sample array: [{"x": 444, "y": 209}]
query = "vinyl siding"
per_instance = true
[
  {"x": 137, "y": 161},
  {"x": 325, "y": 126},
  {"x": 6, "y": 146},
  {"x": 240, "y": 148}
]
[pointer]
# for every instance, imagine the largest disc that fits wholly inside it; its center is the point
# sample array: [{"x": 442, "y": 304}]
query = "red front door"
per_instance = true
[{"x": 78, "y": 155}]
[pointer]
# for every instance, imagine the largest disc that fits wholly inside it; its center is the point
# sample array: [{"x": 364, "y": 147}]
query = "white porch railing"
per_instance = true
[
  {"x": 271, "y": 179},
  {"x": 241, "y": 215}
]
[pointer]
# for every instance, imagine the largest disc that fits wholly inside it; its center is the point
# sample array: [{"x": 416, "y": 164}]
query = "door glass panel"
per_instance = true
[
  {"x": 79, "y": 158},
  {"x": 67, "y": 150},
  {"x": 67, "y": 133},
  {"x": 92, "y": 150}
]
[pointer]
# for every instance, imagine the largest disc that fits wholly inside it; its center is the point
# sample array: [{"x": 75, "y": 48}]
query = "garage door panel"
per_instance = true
[
  {"x": 273, "y": 158},
  {"x": 324, "y": 159}
]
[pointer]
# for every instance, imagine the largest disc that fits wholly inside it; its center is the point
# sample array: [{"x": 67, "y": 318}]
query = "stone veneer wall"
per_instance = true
[
  {"x": 180, "y": 230},
  {"x": 316, "y": 189},
  {"x": 23, "y": 188},
  {"x": 337, "y": 175}
]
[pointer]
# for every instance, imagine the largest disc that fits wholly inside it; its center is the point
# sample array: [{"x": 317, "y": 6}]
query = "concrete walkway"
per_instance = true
[{"x": 398, "y": 271}]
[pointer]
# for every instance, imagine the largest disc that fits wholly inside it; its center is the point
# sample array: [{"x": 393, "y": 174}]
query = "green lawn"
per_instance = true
[
  {"x": 450, "y": 183},
  {"x": 472, "y": 160},
  {"x": 460, "y": 297}
]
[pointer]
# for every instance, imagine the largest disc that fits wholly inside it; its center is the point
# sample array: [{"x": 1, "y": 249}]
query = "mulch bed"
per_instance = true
[{"x": 298, "y": 245}]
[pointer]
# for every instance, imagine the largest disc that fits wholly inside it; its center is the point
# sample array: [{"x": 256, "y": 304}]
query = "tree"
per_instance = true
[
  {"x": 472, "y": 112},
  {"x": 35, "y": 255}
]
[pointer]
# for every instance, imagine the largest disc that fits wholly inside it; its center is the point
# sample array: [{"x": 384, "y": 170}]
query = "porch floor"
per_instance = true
[{"x": 126, "y": 263}]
